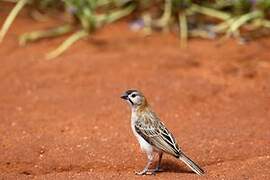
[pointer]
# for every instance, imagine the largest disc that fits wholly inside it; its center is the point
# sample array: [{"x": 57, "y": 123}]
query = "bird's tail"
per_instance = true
[{"x": 196, "y": 168}]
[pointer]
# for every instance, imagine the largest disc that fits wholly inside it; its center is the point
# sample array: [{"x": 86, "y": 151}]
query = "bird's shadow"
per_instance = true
[{"x": 172, "y": 166}]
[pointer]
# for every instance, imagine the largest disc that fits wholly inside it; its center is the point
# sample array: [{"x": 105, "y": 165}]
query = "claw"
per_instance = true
[
  {"x": 158, "y": 169},
  {"x": 145, "y": 172},
  {"x": 151, "y": 173}
]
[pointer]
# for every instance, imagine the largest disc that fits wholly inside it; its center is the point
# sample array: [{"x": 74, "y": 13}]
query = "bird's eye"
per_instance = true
[{"x": 133, "y": 95}]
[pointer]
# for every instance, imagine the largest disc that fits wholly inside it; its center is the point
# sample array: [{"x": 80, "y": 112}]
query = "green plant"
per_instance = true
[{"x": 194, "y": 18}]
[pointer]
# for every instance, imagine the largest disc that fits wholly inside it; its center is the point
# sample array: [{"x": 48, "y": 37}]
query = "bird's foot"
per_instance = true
[
  {"x": 157, "y": 169},
  {"x": 149, "y": 171},
  {"x": 145, "y": 172}
]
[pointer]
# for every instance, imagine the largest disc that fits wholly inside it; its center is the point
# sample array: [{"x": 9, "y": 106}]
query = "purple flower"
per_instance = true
[{"x": 137, "y": 25}]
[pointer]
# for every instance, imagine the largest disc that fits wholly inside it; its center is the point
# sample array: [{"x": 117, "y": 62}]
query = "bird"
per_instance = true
[{"x": 152, "y": 135}]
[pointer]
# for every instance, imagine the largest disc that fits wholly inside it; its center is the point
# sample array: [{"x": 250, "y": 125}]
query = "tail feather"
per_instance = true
[{"x": 196, "y": 168}]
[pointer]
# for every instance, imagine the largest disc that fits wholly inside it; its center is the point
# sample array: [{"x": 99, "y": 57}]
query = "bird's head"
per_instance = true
[{"x": 135, "y": 98}]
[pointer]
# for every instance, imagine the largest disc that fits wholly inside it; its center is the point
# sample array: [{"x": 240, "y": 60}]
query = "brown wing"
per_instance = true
[{"x": 156, "y": 134}]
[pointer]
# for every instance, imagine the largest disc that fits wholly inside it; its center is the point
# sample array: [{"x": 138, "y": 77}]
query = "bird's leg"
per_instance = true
[
  {"x": 146, "y": 168},
  {"x": 157, "y": 169}
]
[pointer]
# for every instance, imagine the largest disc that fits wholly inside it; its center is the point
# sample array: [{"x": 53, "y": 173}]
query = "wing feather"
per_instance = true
[{"x": 156, "y": 134}]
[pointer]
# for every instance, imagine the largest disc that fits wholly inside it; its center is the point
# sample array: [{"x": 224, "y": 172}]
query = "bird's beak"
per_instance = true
[{"x": 124, "y": 96}]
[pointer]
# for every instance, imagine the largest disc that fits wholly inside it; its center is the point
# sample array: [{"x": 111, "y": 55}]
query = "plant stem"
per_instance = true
[
  {"x": 266, "y": 23},
  {"x": 113, "y": 16},
  {"x": 67, "y": 43},
  {"x": 210, "y": 12},
  {"x": 147, "y": 19},
  {"x": 10, "y": 1},
  {"x": 165, "y": 18},
  {"x": 116, "y": 15},
  {"x": 12, "y": 15},
  {"x": 242, "y": 20},
  {"x": 183, "y": 29},
  {"x": 201, "y": 33},
  {"x": 222, "y": 27},
  {"x": 36, "y": 35}
]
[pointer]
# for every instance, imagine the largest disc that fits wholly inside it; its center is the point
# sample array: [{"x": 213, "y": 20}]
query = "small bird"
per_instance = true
[{"x": 152, "y": 134}]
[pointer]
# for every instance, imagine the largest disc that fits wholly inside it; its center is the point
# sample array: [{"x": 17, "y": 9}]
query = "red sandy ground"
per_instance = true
[{"x": 63, "y": 119}]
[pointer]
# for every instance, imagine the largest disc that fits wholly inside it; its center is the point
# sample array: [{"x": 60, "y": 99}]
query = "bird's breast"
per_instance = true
[{"x": 145, "y": 146}]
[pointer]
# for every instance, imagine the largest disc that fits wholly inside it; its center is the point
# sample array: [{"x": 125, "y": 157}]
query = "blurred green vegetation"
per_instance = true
[{"x": 191, "y": 18}]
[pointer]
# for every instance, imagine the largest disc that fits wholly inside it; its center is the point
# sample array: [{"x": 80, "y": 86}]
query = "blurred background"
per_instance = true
[{"x": 203, "y": 65}]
